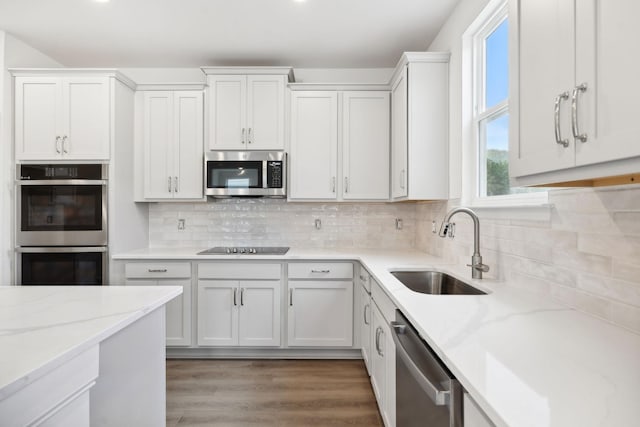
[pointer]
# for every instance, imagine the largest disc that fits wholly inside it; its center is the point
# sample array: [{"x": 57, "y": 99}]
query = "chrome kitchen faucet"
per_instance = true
[{"x": 446, "y": 229}]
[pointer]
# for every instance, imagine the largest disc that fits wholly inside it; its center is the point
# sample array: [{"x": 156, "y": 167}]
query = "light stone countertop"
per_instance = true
[
  {"x": 526, "y": 360},
  {"x": 42, "y": 327}
]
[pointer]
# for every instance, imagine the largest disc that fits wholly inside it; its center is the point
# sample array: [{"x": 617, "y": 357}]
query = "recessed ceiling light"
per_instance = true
[
  {"x": 299, "y": 1},
  {"x": 101, "y": 1}
]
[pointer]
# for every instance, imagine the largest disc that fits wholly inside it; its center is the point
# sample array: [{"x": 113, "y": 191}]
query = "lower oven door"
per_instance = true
[{"x": 62, "y": 266}]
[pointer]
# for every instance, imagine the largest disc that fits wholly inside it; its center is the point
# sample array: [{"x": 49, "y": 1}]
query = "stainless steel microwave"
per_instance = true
[{"x": 245, "y": 174}]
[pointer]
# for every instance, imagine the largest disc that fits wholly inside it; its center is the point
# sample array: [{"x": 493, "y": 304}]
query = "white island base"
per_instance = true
[{"x": 113, "y": 370}]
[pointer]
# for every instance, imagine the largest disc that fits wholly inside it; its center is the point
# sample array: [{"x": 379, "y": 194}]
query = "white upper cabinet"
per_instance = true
[
  {"x": 62, "y": 118},
  {"x": 313, "y": 159},
  {"x": 573, "y": 96},
  {"x": 365, "y": 145},
  {"x": 173, "y": 144},
  {"x": 246, "y": 108},
  {"x": 420, "y": 127},
  {"x": 339, "y": 145}
]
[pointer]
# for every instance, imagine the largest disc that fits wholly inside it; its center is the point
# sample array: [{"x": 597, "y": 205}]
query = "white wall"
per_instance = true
[
  {"x": 14, "y": 54},
  {"x": 450, "y": 39}
]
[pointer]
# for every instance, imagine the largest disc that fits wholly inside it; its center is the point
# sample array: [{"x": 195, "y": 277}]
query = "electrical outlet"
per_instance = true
[
  {"x": 399, "y": 224},
  {"x": 181, "y": 224},
  {"x": 434, "y": 229},
  {"x": 318, "y": 224}
]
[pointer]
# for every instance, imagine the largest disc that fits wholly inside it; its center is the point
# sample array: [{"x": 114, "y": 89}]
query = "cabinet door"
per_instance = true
[
  {"x": 365, "y": 145},
  {"x": 259, "y": 313},
  {"x": 314, "y": 145},
  {"x": 177, "y": 311},
  {"x": 38, "y": 103},
  {"x": 188, "y": 151},
  {"x": 227, "y": 112},
  {"x": 86, "y": 118},
  {"x": 383, "y": 367},
  {"x": 606, "y": 33},
  {"x": 545, "y": 68},
  {"x": 377, "y": 360},
  {"x": 320, "y": 313},
  {"x": 158, "y": 145},
  {"x": 218, "y": 312},
  {"x": 365, "y": 327},
  {"x": 399, "y": 139},
  {"x": 265, "y": 112}
]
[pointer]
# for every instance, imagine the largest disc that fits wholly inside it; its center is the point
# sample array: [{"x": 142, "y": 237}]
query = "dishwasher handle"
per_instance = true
[{"x": 436, "y": 394}]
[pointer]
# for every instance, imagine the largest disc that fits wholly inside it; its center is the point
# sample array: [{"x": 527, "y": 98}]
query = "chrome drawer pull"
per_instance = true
[
  {"x": 157, "y": 270},
  {"x": 321, "y": 271}
]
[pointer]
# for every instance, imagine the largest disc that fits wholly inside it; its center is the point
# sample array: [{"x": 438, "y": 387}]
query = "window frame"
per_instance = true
[{"x": 474, "y": 113}]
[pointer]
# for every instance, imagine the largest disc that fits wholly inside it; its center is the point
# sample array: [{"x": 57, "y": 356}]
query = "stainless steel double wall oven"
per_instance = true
[{"x": 61, "y": 213}]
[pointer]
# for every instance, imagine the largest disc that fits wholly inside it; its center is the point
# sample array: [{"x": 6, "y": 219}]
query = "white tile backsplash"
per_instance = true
[
  {"x": 587, "y": 255},
  {"x": 273, "y": 222}
]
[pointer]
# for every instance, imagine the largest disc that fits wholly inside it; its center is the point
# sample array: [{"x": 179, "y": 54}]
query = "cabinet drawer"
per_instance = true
[
  {"x": 384, "y": 303},
  {"x": 158, "y": 270},
  {"x": 321, "y": 270},
  {"x": 239, "y": 270}
]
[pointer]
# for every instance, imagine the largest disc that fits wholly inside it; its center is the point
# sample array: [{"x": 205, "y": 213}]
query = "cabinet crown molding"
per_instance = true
[
  {"x": 171, "y": 86},
  {"x": 287, "y": 71},
  {"x": 418, "y": 57},
  {"x": 70, "y": 72}
]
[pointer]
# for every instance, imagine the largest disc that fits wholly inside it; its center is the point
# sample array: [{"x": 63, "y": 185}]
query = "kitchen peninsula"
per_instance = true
[{"x": 90, "y": 355}]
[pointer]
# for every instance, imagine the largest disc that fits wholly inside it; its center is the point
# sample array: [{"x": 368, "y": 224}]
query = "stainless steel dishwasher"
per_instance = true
[{"x": 427, "y": 394}]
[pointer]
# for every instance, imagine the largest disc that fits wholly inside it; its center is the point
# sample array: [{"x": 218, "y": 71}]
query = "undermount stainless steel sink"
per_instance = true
[{"x": 435, "y": 283}]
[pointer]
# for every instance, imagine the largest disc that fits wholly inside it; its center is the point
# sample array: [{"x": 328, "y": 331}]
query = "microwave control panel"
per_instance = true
[{"x": 274, "y": 174}]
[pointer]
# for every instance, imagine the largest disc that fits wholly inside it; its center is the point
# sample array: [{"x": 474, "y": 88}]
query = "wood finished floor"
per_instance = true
[{"x": 270, "y": 393}]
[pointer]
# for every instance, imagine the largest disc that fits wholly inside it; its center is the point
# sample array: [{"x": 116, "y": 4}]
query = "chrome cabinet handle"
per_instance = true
[
  {"x": 157, "y": 270},
  {"x": 249, "y": 136},
  {"x": 556, "y": 118},
  {"x": 58, "y": 150},
  {"x": 333, "y": 184},
  {"x": 574, "y": 113},
  {"x": 291, "y": 297},
  {"x": 379, "y": 332},
  {"x": 321, "y": 271},
  {"x": 175, "y": 184},
  {"x": 365, "y": 314},
  {"x": 243, "y": 131},
  {"x": 402, "y": 177},
  {"x": 65, "y": 146},
  {"x": 241, "y": 296},
  {"x": 169, "y": 184},
  {"x": 235, "y": 296},
  {"x": 346, "y": 184}
]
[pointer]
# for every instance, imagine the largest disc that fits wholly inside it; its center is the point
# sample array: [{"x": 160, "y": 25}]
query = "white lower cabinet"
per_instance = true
[
  {"x": 320, "y": 313},
  {"x": 383, "y": 354},
  {"x": 472, "y": 414},
  {"x": 234, "y": 312},
  {"x": 320, "y": 303},
  {"x": 178, "y": 310},
  {"x": 363, "y": 326}
]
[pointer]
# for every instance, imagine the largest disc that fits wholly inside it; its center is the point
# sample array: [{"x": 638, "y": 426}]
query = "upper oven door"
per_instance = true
[{"x": 62, "y": 213}]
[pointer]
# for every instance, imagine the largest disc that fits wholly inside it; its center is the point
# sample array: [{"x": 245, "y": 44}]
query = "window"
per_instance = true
[{"x": 486, "y": 67}]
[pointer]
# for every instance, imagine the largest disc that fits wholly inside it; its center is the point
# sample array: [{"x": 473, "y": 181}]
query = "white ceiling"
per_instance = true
[{"x": 186, "y": 33}]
